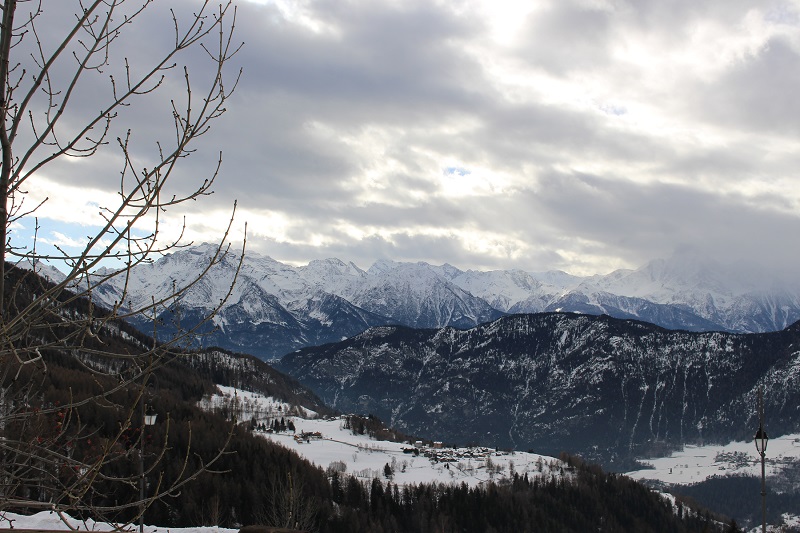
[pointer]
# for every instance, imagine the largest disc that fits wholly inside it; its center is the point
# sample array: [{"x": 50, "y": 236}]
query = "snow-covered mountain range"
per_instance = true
[{"x": 276, "y": 308}]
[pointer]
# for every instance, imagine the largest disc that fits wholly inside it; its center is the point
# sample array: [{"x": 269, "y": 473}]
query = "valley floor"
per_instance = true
[{"x": 697, "y": 463}]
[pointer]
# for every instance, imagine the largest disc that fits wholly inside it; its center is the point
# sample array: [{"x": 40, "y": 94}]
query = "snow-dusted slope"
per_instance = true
[
  {"x": 275, "y": 308},
  {"x": 333, "y": 275},
  {"x": 708, "y": 294},
  {"x": 272, "y": 308},
  {"x": 48, "y": 272}
]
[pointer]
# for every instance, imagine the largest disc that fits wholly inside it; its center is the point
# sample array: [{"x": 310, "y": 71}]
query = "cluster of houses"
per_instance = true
[
  {"x": 436, "y": 452},
  {"x": 307, "y": 436},
  {"x": 439, "y": 454}
]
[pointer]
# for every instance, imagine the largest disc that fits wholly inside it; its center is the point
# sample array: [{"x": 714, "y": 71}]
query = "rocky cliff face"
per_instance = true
[{"x": 590, "y": 384}]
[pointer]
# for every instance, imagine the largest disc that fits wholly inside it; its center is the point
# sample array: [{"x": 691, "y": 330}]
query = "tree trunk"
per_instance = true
[{"x": 9, "y": 7}]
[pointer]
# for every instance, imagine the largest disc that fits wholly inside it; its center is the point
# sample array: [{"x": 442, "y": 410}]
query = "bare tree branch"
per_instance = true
[{"x": 53, "y": 453}]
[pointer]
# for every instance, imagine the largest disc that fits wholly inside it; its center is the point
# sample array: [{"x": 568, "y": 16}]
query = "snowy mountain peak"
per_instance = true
[
  {"x": 381, "y": 266},
  {"x": 448, "y": 271},
  {"x": 48, "y": 272},
  {"x": 326, "y": 269}
]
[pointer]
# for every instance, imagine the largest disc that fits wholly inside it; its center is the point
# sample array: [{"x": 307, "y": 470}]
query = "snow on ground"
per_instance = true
[
  {"x": 250, "y": 404},
  {"x": 791, "y": 521},
  {"x": 696, "y": 463},
  {"x": 51, "y": 520},
  {"x": 366, "y": 458}
]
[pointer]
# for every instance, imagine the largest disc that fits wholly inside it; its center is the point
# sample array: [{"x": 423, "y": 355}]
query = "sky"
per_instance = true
[{"x": 577, "y": 135}]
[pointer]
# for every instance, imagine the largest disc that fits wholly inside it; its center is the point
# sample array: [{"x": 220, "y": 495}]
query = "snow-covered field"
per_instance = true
[
  {"x": 333, "y": 446},
  {"x": 696, "y": 463},
  {"x": 252, "y": 405},
  {"x": 366, "y": 458}
]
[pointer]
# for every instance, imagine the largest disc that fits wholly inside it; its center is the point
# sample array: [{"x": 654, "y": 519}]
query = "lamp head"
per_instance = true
[
  {"x": 150, "y": 417},
  {"x": 761, "y": 440}
]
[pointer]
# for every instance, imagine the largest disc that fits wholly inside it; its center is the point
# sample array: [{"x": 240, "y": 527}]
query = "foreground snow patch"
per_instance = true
[{"x": 52, "y": 520}]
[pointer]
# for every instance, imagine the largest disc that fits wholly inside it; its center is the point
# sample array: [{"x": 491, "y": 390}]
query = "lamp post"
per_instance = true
[
  {"x": 761, "y": 446},
  {"x": 148, "y": 419}
]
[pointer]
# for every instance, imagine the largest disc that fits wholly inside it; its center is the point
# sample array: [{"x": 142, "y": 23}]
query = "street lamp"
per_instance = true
[
  {"x": 761, "y": 447},
  {"x": 148, "y": 419}
]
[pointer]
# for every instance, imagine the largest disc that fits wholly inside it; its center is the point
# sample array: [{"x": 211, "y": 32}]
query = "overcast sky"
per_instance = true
[{"x": 576, "y": 135}]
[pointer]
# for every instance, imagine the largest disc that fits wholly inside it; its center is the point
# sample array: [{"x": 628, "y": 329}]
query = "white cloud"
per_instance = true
[
  {"x": 583, "y": 135},
  {"x": 63, "y": 241}
]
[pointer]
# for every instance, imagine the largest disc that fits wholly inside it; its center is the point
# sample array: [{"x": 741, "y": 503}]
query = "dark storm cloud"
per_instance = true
[
  {"x": 147, "y": 116},
  {"x": 381, "y": 63}
]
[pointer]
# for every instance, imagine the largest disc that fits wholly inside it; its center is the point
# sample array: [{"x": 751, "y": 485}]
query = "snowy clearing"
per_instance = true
[
  {"x": 367, "y": 458},
  {"x": 697, "y": 463}
]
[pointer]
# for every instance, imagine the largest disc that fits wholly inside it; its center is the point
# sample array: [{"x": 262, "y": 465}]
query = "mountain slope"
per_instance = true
[
  {"x": 553, "y": 382},
  {"x": 271, "y": 309},
  {"x": 274, "y": 308}
]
